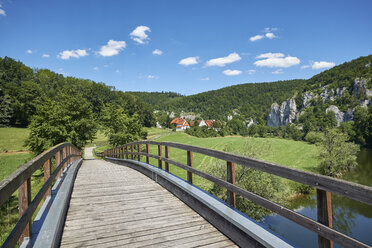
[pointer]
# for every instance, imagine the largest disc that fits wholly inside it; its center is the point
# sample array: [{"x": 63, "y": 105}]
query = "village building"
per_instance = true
[{"x": 180, "y": 123}]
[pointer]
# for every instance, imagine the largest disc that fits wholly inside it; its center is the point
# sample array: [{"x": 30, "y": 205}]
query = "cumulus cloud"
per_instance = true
[
  {"x": 157, "y": 52},
  {"x": 231, "y": 58},
  {"x": 270, "y": 55},
  {"x": 112, "y": 48},
  {"x": 67, "y": 54},
  {"x": 139, "y": 34},
  {"x": 29, "y": 51},
  {"x": 322, "y": 65},
  {"x": 251, "y": 71},
  {"x": 305, "y": 66},
  {"x": 2, "y": 12},
  {"x": 276, "y": 60},
  {"x": 229, "y": 72},
  {"x": 151, "y": 77},
  {"x": 279, "y": 71},
  {"x": 270, "y": 35},
  {"x": 95, "y": 68},
  {"x": 205, "y": 79},
  {"x": 189, "y": 61},
  {"x": 256, "y": 37},
  {"x": 45, "y": 55}
]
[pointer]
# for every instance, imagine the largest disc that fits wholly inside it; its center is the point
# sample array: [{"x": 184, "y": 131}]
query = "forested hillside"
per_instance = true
[
  {"x": 253, "y": 100},
  {"x": 22, "y": 89},
  {"x": 249, "y": 100}
]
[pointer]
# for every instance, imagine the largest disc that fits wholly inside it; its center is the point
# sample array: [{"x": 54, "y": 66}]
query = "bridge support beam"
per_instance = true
[
  {"x": 231, "y": 179},
  {"x": 189, "y": 163},
  {"x": 166, "y": 156},
  {"x": 47, "y": 170},
  {"x": 24, "y": 199},
  {"x": 324, "y": 206}
]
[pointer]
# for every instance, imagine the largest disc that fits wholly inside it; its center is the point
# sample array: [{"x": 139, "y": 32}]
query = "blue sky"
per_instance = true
[{"x": 185, "y": 46}]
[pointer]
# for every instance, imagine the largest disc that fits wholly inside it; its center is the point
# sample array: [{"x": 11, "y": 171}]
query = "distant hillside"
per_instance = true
[
  {"x": 156, "y": 99},
  {"x": 248, "y": 100},
  {"x": 255, "y": 99}
]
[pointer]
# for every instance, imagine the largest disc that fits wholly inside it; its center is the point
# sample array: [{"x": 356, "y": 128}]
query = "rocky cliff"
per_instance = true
[
  {"x": 288, "y": 113},
  {"x": 282, "y": 115}
]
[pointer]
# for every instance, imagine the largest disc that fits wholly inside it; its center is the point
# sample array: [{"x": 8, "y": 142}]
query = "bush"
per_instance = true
[{"x": 314, "y": 137}]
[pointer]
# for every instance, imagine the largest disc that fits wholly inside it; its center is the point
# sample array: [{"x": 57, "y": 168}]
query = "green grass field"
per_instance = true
[
  {"x": 13, "y": 139},
  {"x": 153, "y": 132},
  {"x": 295, "y": 154}
]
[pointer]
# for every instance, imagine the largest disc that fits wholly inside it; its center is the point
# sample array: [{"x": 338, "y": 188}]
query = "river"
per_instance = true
[{"x": 349, "y": 217}]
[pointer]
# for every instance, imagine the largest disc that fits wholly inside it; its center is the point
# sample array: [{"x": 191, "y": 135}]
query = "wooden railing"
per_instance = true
[
  {"x": 324, "y": 185},
  {"x": 20, "y": 180}
]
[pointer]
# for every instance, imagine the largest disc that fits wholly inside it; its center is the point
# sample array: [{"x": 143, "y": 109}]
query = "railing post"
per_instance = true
[
  {"x": 231, "y": 179},
  {"x": 59, "y": 159},
  {"x": 47, "y": 170},
  {"x": 166, "y": 156},
  {"x": 123, "y": 151},
  {"x": 71, "y": 159},
  {"x": 148, "y": 151},
  {"x": 324, "y": 207},
  {"x": 139, "y": 150},
  {"x": 159, "y": 154},
  {"x": 24, "y": 199},
  {"x": 132, "y": 155},
  {"x": 189, "y": 163},
  {"x": 127, "y": 154}
]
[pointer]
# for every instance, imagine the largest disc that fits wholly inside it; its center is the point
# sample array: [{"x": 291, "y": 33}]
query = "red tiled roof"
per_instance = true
[
  {"x": 179, "y": 121},
  {"x": 209, "y": 123}
]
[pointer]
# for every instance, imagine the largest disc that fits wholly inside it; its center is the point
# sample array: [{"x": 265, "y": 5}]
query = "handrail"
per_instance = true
[
  {"x": 20, "y": 180},
  {"x": 323, "y": 184}
]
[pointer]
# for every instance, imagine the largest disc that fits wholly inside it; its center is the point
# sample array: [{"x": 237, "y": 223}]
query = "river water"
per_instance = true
[{"x": 349, "y": 217}]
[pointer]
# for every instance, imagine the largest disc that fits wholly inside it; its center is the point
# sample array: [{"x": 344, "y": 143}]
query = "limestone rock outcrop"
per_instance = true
[{"x": 282, "y": 115}]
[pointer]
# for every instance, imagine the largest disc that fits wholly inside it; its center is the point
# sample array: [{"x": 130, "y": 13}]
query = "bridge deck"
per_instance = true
[{"x": 113, "y": 206}]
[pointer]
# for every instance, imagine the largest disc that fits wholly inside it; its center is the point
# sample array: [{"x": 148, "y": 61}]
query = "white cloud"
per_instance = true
[
  {"x": 157, "y": 52},
  {"x": 276, "y": 60},
  {"x": 2, "y": 12},
  {"x": 270, "y": 35},
  {"x": 45, "y": 55},
  {"x": 67, "y": 54},
  {"x": 117, "y": 71},
  {"x": 305, "y": 66},
  {"x": 256, "y": 37},
  {"x": 270, "y": 55},
  {"x": 189, "y": 61},
  {"x": 229, "y": 72},
  {"x": 29, "y": 51},
  {"x": 322, "y": 64},
  {"x": 231, "y": 58},
  {"x": 139, "y": 34},
  {"x": 112, "y": 48},
  {"x": 151, "y": 77},
  {"x": 250, "y": 72},
  {"x": 205, "y": 79},
  {"x": 95, "y": 68},
  {"x": 279, "y": 71}
]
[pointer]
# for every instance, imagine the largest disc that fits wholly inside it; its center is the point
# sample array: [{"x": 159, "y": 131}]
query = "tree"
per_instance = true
[
  {"x": 66, "y": 118},
  {"x": 363, "y": 125},
  {"x": 337, "y": 156},
  {"x": 6, "y": 110},
  {"x": 120, "y": 128}
]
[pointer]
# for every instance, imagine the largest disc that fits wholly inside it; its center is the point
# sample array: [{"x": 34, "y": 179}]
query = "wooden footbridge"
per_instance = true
[{"x": 124, "y": 201}]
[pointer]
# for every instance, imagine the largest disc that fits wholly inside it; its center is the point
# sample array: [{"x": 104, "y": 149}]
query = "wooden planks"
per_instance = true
[{"x": 113, "y": 206}]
